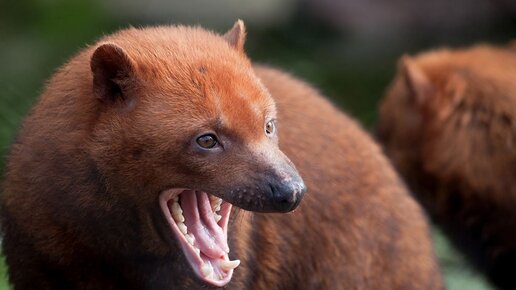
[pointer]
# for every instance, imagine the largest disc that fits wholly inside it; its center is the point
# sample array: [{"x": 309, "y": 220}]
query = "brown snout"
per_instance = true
[{"x": 272, "y": 184}]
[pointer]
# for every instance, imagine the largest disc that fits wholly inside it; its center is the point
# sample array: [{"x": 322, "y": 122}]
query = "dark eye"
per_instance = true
[
  {"x": 270, "y": 128},
  {"x": 207, "y": 141}
]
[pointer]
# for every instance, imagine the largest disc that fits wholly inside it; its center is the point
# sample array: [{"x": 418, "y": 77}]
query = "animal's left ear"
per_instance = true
[
  {"x": 236, "y": 36},
  {"x": 416, "y": 80}
]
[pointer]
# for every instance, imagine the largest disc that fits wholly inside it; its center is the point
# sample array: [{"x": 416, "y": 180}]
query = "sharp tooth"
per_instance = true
[
  {"x": 215, "y": 203},
  {"x": 190, "y": 239},
  {"x": 206, "y": 270},
  {"x": 217, "y": 217},
  {"x": 229, "y": 265},
  {"x": 182, "y": 227}
]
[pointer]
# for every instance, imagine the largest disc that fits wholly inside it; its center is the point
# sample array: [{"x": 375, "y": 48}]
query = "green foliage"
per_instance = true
[
  {"x": 4, "y": 285},
  {"x": 457, "y": 274}
]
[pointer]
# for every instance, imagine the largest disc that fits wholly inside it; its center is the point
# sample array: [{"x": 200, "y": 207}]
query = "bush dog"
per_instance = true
[
  {"x": 448, "y": 122},
  {"x": 125, "y": 173}
]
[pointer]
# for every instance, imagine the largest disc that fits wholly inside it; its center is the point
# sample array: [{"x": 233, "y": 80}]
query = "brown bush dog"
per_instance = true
[
  {"x": 116, "y": 160},
  {"x": 448, "y": 122}
]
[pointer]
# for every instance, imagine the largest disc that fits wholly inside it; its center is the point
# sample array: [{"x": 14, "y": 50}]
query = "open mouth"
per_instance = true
[{"x": 200, "y": 222}]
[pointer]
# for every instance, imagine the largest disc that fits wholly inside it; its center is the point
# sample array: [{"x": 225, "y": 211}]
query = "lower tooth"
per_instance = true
[
  {"x": 177, "y": 212},
  {"x": 182, "y": 227},
  {"x": 190, "y": 239},
  {"x": 229, "y": 265},
  {"x": 197, "y": 251},
  {"x": 179, "y": 218},
  {"x": 206, "y": 270},
  {"x": 217, "y": 217}
]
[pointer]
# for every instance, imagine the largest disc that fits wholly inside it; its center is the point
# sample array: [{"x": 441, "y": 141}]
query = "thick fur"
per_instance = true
[
  {"x": 448, "y": 122},
  {"x": 80, "y": 204}
]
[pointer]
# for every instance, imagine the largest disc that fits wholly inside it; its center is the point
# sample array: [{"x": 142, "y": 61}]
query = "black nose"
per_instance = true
[{"x": 287, "y": 195}]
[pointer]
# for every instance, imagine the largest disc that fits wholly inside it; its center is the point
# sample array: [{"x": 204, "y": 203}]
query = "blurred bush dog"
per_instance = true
[
  {"x": 448, "y": 122},
  {"x": 128, "y": 171}
]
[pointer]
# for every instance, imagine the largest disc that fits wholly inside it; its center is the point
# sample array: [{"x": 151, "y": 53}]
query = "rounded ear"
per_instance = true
[
  {"x": 440, "y": 99},
  {"x": 236, "y": 35},
  {"x": 112, "y": 71},
  {"x": 416, "y": 80}
]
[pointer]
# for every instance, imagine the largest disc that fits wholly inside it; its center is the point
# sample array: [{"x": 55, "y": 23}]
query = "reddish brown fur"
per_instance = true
[
  {"x": 79, "y": 202},
  {"x": 449, "y": 124}
]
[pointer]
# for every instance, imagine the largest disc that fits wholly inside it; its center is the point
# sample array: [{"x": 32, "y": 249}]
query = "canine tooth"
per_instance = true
[
  {"x": 217, "y": 217},
  {"x": 190, "y": 239},
  {"x": 182, "y": 227},
  {"x": 206, "y": 270},
  {"x": 229, "y": 265}
]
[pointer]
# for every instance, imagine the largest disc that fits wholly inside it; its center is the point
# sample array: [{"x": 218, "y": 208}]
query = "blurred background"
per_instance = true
[{"x": 346, "y": 48}]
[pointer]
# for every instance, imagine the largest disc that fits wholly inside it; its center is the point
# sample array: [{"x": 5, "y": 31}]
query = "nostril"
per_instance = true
[{"x": 284, "y": 200}]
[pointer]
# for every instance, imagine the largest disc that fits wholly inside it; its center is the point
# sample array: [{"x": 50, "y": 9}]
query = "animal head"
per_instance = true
[
  {"x": 450, "y": 113},
  {"x": 184, "y": 122}
]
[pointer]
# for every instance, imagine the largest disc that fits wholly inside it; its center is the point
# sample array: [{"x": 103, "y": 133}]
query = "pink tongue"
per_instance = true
[{"x": 209, "y": 236}]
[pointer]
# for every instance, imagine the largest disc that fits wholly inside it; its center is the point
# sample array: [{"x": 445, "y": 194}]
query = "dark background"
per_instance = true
[{"x": 348, "y": 49}]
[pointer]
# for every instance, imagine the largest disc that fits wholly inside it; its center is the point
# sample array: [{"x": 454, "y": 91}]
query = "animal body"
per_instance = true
[
  {"x": 448, "y": 122},
  {"x": 129, "y": 170}
]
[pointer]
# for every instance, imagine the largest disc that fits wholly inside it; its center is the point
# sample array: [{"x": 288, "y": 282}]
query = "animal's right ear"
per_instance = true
[
  {"x": 113, "y": 72},
  {"x": 236, "y": 36},
  {"x": 416, "y": 80}
]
